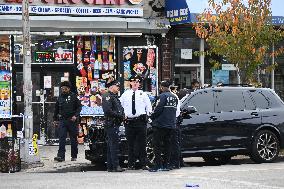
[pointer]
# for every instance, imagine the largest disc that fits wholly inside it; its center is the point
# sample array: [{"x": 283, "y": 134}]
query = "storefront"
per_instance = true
[
  {"x": 84, "y": 43},
  {"x": 188, "y": 65}
]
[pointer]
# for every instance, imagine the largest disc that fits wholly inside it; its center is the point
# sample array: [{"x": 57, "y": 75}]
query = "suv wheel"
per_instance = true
[
  {"x": 217, "y": 160},
  {"x": 265, "y": 147}
]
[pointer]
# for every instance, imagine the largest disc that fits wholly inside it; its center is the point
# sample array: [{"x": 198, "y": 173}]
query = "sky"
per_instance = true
[{"x": 197, "y": 6}]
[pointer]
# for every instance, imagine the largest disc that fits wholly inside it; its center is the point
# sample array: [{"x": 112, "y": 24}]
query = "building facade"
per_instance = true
[{"x": 87, "y": 42}]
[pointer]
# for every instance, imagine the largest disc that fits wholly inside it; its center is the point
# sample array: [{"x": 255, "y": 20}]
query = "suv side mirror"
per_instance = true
[{"x": 189, "y": 110}]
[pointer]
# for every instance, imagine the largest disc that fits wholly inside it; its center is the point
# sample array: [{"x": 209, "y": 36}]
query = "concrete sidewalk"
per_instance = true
[{"x": 47, "y": 153}]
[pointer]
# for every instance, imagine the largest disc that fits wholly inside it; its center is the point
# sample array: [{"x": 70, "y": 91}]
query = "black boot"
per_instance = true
[{"x": 118, "y": 169}]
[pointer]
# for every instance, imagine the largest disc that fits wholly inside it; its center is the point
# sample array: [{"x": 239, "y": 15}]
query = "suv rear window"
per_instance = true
[{"x": 260, "y": 100}]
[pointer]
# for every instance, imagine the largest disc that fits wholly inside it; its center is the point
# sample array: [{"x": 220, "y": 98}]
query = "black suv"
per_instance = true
[{"x": 219, "y": 123}]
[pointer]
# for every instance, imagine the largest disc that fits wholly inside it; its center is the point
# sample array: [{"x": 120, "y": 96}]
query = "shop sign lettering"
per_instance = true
[
  {"x": 84, "y": 11},
  {"x": 93, "y": 2}
]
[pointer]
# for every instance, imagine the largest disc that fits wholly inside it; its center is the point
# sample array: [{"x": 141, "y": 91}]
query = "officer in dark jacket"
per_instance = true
[
  {"x": 164, "y": 124},
  {"x": 114, "y": 116},
  {"x": 67, "y": 112}
]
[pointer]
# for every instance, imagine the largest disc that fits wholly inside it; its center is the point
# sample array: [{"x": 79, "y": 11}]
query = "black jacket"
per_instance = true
[
  {"x": 113, "y": 110},
  {"x": 67, "y": 106},
  {"x": 164, "y": 114}
]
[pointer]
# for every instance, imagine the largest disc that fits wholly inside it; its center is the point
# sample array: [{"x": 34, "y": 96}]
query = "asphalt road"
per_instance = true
[{"x": 240, "y": 173}]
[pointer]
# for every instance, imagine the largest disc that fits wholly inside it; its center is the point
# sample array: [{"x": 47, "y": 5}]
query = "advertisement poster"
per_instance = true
[
  {"x": 220, "y": 76},
  {"x": 141, "y": 61},
  {"x": 5, "y": 77}
]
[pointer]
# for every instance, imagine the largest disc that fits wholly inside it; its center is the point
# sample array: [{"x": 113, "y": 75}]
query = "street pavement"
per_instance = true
[
  {"x": 47, "y": 154},
  {"x": 240, "y": 173}
]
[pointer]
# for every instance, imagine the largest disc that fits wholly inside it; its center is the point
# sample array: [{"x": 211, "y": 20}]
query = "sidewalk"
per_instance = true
[{"x": 47, "y": 153}]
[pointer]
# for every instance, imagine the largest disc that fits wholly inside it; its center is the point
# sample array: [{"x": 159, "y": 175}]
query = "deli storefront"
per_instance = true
[{"x": 84, "y": 42}]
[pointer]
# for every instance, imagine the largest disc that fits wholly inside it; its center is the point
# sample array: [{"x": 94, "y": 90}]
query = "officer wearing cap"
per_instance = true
[
  {"x": 67, "y": 112},
  {"x": 114, "y": 116},
  {"x": 164, "y": 123},
  {"x": 137, "y": 106}
]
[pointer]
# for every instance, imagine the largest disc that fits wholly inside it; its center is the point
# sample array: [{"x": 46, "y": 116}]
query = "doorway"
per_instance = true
[
  {"x": 46, "y": 81},
  {"x": 185, "y": 75}
]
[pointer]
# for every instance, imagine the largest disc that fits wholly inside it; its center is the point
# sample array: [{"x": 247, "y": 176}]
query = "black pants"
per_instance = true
[
  {"x": 70, "y": 127},
  {"x": 175, "y": 157},
  {"x": 136, "y": 138},
  {"x": 161, "y": 144},
  {"x": 112, "y": 147}
]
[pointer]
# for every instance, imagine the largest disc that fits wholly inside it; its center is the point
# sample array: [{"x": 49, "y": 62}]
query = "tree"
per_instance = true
[{"x": 242, "y": 32}]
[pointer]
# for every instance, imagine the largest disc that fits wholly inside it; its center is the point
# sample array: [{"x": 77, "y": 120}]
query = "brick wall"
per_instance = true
[{"x": 167, "y": 47}]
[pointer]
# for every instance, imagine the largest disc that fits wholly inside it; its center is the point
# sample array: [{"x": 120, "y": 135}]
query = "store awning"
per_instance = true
[{"x": 85, "y": 24}]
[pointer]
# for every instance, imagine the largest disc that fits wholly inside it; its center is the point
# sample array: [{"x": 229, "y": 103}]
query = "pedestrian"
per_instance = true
[
  {"x": 67, "y": 113},
  {"x": 176, "y": 158},
  {"x": 164, "y": 123},
  {"x": 194, "y": 86},
  {"x": 114, "y": 116},
  {"x": 137, "y": 108}
]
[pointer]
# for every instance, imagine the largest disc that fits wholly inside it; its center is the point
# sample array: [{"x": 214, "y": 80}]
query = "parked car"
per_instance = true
[{"x": 219, "y": 123}]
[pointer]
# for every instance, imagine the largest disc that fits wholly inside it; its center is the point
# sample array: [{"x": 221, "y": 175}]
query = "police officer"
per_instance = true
[
  {"x": 164, "y": 123},
  {"x": 137, "y": 106},
  {"x": 176, "y": 157},
  {"x": 114, "y": 116},
  {"x": 67, "y": 112}
]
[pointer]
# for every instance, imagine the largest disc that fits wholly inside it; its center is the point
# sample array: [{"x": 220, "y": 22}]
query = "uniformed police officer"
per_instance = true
[
  {"x": 137, "y": 106},
  {"x": 67, "y": 112},
  {"x": 164, "y": 123},
  {"x": 114, "y": 116},
  {"x": 176, "y": 157}
]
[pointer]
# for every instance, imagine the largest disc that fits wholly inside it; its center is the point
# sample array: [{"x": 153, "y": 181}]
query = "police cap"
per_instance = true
[
  {"x": 166, "y": 84},
  {"x": 135, "y": 78},
  {"x": 115, "y": 82}
]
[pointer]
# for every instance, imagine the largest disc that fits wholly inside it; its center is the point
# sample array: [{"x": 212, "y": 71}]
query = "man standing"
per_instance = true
[
  {"x": 67, "y": 112},
  {"x": 114, "y": 116},
  {"x": 137, "y": 106},
  {"x": 176, "y": 157},
  {"x": 164, "y": 123}
]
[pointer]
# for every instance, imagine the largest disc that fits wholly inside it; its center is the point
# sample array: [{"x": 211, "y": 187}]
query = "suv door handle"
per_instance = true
[
  {"x": 214, "y": 118},
  {"x": 254, "y": 114}
]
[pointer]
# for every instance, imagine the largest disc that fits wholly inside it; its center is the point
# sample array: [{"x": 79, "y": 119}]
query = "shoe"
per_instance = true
[
  {"x": 165, "y": 169},
  {"x": 73, "y": 159},
  {"x": 109, "y": 170},
  {"x": 145, "y": 168},
  {"x": 154, "y": 169},
  {"x": 131, "y": 168},
  {"x": 59, "y": 159},
  {"x": 118, "y": 169},
  {"x": 174, "y": 167}
]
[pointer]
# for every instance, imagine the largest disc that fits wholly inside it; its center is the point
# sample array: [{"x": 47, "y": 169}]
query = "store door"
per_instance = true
[
  {"x": 45, "y": 91},
  {"x": 185, "y": 75}
]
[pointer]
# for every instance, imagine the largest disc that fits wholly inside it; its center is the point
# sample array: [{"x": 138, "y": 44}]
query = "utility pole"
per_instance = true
[{"x": 28, "y": 113}]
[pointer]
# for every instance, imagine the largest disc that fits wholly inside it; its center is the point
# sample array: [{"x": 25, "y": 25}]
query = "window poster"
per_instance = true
[
  {"x": 141, "y": 61},
  {"x": 95, "y": 61},
  {"x": 5, "y": 77},
  {"x": 220, "y": 76}
]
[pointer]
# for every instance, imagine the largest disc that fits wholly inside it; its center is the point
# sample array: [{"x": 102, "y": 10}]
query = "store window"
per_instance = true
[
  {"x": 184, "y": 50},
  {"x": 5, "y": 77},
  {"x": 141, "y": 61},
  {"x": 96, "y": 64},
  {"x": 46, "y": 49}
]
